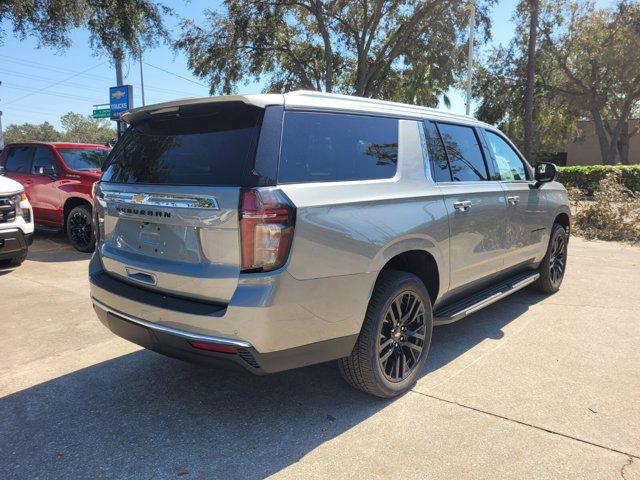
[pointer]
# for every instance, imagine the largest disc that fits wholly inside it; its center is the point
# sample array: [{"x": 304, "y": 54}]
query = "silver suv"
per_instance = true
[{"x": 277, "y": 231}]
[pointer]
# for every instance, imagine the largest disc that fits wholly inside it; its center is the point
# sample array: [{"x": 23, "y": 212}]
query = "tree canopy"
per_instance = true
[
  {"x": 395, "y": 49},
  {"x": 588, "y": 67},
  {"x": 115, "y": 26},
  {"x": 75, "y": 128},
  {"x": 596, "y": 55}
]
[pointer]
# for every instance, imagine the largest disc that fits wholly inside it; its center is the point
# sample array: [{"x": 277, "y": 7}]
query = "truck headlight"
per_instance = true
[{"x": 22, "y": 207}]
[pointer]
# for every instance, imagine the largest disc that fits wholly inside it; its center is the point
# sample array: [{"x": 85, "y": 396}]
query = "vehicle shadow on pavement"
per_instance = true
[
  {"x": 143, "y": 415},
  {"x": 51, "y": 246},
  {"x": 451, "y": 341}
]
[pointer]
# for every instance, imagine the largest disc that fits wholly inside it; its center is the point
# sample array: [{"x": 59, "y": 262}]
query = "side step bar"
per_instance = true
[{"x": 460, "y": 309}]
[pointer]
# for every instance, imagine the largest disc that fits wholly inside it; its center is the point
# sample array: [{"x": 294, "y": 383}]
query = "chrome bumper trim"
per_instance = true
[{"x": 173, "y": 331}]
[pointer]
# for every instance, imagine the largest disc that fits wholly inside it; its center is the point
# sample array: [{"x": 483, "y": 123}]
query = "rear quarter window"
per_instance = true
[
  {"x": 18, "y": 159},
  {"x": 327, "y": 147}
]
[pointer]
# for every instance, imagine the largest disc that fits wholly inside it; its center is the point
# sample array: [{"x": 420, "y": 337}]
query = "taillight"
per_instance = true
[
  {"x": 95, "y": 193},
  {"x": 267, "y": 220}
]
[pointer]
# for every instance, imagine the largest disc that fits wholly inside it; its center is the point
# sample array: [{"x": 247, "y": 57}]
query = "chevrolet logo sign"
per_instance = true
[{"x": 118, "y": 94}]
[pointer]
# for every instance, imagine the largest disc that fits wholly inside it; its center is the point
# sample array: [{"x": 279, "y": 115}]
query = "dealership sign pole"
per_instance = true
[{"x": 120, "y": 100}]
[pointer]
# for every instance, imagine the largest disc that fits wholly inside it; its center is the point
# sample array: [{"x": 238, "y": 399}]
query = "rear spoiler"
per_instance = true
[{"x": 137, "y": 115}]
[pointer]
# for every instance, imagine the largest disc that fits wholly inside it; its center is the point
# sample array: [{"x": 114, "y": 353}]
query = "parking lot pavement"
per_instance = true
[{"x": 531, "y": 387}]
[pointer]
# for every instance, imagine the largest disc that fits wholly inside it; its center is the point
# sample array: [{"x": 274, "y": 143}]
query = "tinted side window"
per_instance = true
[
  {"x": 465, "y": 155},
  {"x": 19, "y": 159},
  {"x": 325, "y": 147},
  {"x": 43, "y": 158},
  {"x": 509, "y": 163},
  {"x": 437, "y": 155}
]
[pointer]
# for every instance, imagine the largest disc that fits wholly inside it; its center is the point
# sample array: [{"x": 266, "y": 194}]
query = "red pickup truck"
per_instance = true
[{"x": 58, "y": 180}]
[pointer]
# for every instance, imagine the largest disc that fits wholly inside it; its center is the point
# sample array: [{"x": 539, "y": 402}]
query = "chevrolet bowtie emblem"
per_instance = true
[{"x": 138, "y": 198}]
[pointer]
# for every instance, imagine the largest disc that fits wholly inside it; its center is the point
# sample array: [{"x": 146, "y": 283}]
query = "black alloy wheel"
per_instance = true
[
  {"x": 401, "y": 336},
  {"x": 391, "y": 350},
  {"x": 80, "y": 229},
  {"x": 557, "y": 259},
  {"x": 554, "y": 263}
]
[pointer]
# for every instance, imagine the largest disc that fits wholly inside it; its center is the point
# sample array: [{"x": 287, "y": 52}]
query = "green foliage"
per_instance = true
[
  {"x": 43, "y": 132},
  {"x": 594, "y": 54},
  {"x": 587, "y": 178},
  {"x": 395, "y": 49},
  {"x": 115, "y": 26},
  {"x": 500, "y": 87},
  {"x": 76, "y": 128}
]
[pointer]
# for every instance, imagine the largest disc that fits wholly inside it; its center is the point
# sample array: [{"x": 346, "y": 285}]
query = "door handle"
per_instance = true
[
  {"x": 513, "y": 200},
  {"x": 462, "y": 206}
]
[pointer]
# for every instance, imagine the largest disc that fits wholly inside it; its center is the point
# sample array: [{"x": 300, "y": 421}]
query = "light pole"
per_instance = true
[
  {"x": 119, "y": 81},
  {"x": 141, "y": 79},
  {"x": 1, "y": 134},
  {"x": 472, "y": 27}
]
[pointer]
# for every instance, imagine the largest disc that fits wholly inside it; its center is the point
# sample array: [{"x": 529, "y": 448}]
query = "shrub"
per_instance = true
[
  {"x": 588, "y": 178},
  {"x": 614, "y": 214}
]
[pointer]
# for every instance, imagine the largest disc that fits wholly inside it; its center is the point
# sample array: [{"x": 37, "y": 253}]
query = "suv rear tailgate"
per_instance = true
[
  {"x": 178, "y": 240},
  {"x": 169, "y": 196}
]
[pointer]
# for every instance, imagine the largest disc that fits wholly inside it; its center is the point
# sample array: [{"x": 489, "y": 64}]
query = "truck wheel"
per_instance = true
[
  {"x": 79, "y": 229},
  {"x": 14, "y": 262},
  {"x": 554, "y": 262},
  {"x": 394, "y": 341}
]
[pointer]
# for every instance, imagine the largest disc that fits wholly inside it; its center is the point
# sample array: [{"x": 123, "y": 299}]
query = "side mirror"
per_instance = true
[
  {"x": 48, "y": 170},
  {"x": 545, "y": 172}
]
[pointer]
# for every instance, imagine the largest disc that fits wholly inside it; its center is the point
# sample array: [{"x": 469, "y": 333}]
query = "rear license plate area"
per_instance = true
[{"x": 130, "y": 331}]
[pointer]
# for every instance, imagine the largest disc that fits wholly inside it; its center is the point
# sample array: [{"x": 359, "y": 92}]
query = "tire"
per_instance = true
[
  {"x": 365, "y": 368},
  {"x": 14, "y": 262},
  {"x": 79, "y": 229},
  {"x": 554, "y": 263}
]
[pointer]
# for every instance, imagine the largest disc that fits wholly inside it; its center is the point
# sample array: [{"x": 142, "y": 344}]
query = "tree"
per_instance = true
[
  {"x": 79, "y": 128},
  {"x": 501, "y": 82},
  {"x": 533, "y": 6},
  {"x": 116, "y": 26},
  {"x": 44, "y": 132},
  {"x": 76, "y": 128},
  {"x": 596, "y": 55},
  {"x": 397, "y": 49}
]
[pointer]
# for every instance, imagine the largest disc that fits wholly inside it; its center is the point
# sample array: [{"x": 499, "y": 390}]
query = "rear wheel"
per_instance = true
[
  {"x": 393, "y": 344},
  {"x": 554, "y": 262},
  {"x": 79, "y": 229}
]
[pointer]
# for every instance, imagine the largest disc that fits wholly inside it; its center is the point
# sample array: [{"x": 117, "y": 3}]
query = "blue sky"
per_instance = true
[{"x": 41, "y": 84}]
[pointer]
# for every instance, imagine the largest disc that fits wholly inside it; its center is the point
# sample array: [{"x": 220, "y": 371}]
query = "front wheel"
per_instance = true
[
  {"x": 394, "y": 341},
  {"x": 80, "y": 230},
  {"x": 554, "y": 262}
]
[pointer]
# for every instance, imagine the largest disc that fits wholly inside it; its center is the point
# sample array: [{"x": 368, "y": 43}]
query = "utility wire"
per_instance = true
[
  {"x": 175, "y": 75},
  {"x": 40, "y": 66},
  {"x": 53, "y": 84}
]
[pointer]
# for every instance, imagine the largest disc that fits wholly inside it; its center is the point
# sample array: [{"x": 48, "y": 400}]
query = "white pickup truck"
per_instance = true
[{"x": 16, "y": 222}]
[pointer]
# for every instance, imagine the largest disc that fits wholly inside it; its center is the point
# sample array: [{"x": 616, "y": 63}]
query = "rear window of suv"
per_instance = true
[
  {"x": 326, "y": 147},
  {"x": 209, "y": 149}
]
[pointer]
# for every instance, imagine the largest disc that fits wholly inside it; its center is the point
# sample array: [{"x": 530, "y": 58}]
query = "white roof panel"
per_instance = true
[{"x": 304, "y": 99}]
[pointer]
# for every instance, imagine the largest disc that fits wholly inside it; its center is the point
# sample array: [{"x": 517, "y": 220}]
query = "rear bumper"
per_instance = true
[
  {"x": 14, "y": 243},
  {"x": 175, "y": 343},
  {"x": 270, "y": 331}
]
